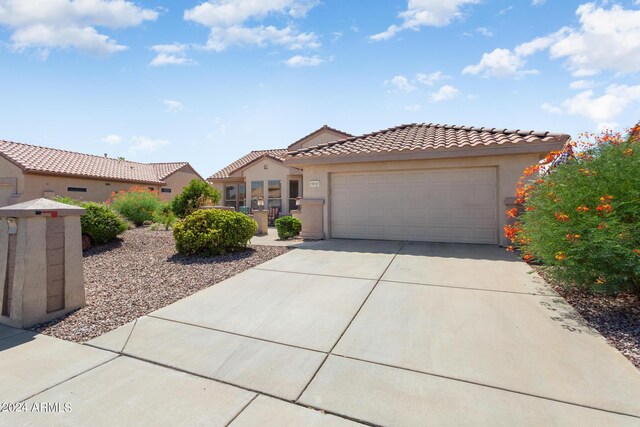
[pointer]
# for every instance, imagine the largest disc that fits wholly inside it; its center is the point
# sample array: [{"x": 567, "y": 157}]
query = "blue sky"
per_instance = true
[{"x": 207, "y": 81}]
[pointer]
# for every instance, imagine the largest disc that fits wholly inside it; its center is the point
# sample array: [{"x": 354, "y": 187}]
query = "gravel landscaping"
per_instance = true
[
  {"x": 141, "y": 273},
  {"x": 616, "y": 317}
]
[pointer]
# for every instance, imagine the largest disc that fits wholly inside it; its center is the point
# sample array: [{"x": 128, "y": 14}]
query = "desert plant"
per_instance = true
[
  {"x": 213, "y": 232},
  {"x": 165, "y": 216},
  {"x": 288, "y": 227},
  {"x": 100, "y": 223},
  {"x": 581, "y": 219},
  {"x": 195, "y": 195},
  {"x": 138, "y": 205}
]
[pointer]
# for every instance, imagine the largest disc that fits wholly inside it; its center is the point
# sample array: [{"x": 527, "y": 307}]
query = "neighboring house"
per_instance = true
[
  {"x": 262, "y": 173},
  {"x": 425, "y": 182},
  {"x": 29, "y": 172}
]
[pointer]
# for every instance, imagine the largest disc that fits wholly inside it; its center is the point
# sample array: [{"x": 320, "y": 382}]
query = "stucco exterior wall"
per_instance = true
[
  {"x": 275, "y": 171},
  {"x": 177, "y": 181},
  {"x": 325, "y": 136},
  {"x": 11, "y": 182},
  {"x": 509, "y": 168},
  {"x": 35, "y": 187}
]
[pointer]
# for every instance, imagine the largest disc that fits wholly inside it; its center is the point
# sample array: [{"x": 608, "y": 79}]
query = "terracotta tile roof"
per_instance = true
[
  {"x": 422, "y": 137},
  {"x": 52, "y": 161},
  {"x": 163, "y": 170},
  {"x": 277, "y": 154},
  {"x": 317, "y": 131}
]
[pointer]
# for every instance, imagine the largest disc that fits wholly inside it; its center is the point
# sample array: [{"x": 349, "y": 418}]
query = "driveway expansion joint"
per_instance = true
[
  {"x": 235, "y": 333},
  {"x": 317, "y": 274},
  {"x": 72, "y": 377},
  {"x": 533, "y": 294},
  {"x": 485, "y": 385},
  {"x": 352, "y": 319},
  {"x": 257, "y": 392}
]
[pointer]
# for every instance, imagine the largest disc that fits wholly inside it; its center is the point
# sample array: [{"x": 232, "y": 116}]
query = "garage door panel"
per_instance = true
[
  {"x": 485, "y": 213},
  {"x": 462, "y": 233},
  {"x": 446, "y": 205}
]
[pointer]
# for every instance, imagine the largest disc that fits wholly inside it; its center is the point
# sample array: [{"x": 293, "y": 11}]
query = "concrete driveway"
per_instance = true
[{"x": 339, "y": 332}]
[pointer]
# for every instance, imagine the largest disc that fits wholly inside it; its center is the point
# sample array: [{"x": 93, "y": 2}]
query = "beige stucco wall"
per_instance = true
[
  {"x": 35, "y": 187},
  {"x": 509, "y": 170},
  {"x": 11, "y": 182},
  {"x": 325, "y": 135},
  {"x": 177, "y": 181},
  {"x": 275, "y": 171}
]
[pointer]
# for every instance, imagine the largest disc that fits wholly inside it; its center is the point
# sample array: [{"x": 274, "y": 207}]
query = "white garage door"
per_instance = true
[{"x": 438, "y": 205}]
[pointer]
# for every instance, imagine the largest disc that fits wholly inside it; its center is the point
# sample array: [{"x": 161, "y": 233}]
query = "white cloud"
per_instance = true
[
  {"x": 484, "y": 31},
  {"x": 506, "y": 10},
  {"x": 336, "y": 35},
  {"x": 582, "y": 84},
  {"x": 146, "y": 145},
  {"x": 227, "y": 20},
  {"x": 46, "y": 25},
  {"x": 499, "y": 63},
  {"x": 541, "y": 43},
  {"x": 602, "y": 110},
  {"x": 304, "y": 61},
  {"x": 221, "y": 38},
  {"x": 445, "y": 93},
  {"x": 538, "y": 2},
  {"x": 400, "y": 83},
  {"x": 432, "y": 78},
  {"x": 413, "y": 108},
  {"x": 419, "y": 13},
  {"x": 112, "y": 139},
  {"x": 172, "y": 106},
  {"x": 171, "y": 54},
  {"x": 607, "y": 39},
  {"x": 165, "y": 59}
]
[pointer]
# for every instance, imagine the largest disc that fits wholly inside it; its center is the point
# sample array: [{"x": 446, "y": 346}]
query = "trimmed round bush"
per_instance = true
[
  {"x": 213, "y": 232},
  {"x": 137, "y": 205},
  {"x": 288, "y": 227},
  {"x": 581, "y": 221},
  {"x": 100, "y": 222}
]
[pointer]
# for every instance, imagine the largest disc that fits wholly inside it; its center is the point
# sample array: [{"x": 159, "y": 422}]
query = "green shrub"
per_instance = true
[
  {"x": 213, "y": 232},
  {"x": 165, "y": 217},
  {"x": 194, "y": 196},
  {"x": 138, "y": 205},
  {"x": 582, "y": 220},
  {"x": 100, "y": 223},
  {"x": 287, "y": 227}
]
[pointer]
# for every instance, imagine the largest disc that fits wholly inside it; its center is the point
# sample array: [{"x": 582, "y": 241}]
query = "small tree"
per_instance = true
[{"x": 196, "y": 194}]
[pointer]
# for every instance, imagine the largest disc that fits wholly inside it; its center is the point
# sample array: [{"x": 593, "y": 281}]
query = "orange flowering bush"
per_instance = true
[
  {"x": 138, "y": 205},
  {"x": 582, "y": 217}
]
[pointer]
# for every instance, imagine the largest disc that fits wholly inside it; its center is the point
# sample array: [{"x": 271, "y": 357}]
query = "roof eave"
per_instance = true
[
  {"x": 93, "y": 177},
  {"x": 441, "y": 153}
]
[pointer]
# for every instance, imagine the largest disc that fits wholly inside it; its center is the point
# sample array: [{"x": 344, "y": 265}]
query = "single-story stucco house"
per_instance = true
[
  {"x": 29, "y": 172},
  {"x": 263, "y": 173},
  {"x": 428, "y": 182}
]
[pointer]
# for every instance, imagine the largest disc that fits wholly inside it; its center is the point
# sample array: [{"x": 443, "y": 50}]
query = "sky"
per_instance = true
[{"x": 208, "y": 81}]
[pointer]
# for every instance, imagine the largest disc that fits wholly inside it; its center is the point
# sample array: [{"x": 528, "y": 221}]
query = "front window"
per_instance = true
[
  {"x": 231, "y": 196},
  {"x": 257, "y": 190},
  {"x": 235, "y": 195},
  {"x": 275, "y": 194},
  {"x": 294, "y": 192}
]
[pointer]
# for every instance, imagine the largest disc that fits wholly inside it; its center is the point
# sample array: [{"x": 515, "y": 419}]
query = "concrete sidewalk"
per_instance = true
[{"x": 339, "y": 332}]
